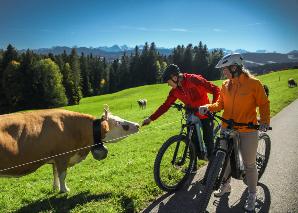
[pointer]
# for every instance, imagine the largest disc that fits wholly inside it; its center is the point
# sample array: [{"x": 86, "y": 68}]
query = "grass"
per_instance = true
[{"x": 124, "y": 181}]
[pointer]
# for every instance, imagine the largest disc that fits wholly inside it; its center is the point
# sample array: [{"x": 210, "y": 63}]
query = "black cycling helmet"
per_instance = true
[{"x": 171, "y": 70}]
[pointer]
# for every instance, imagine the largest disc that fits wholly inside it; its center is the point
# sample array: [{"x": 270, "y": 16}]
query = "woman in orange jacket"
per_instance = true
[{"x": 240, "y": 96}]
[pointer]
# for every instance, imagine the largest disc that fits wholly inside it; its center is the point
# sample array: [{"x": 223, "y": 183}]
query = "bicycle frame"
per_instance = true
[
  {"x": 228, "y": 142},
  {"x": 191, "y": 123}
]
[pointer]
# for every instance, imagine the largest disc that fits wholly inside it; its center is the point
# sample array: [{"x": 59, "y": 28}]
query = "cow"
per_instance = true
[
  {"x": 142, "y": 103},
  {"x": 59, "y": 137},
  {"x": 292, "y": 82}
]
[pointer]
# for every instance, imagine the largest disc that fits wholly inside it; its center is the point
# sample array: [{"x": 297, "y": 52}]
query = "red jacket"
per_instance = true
[{"x": 193, "y": 93}]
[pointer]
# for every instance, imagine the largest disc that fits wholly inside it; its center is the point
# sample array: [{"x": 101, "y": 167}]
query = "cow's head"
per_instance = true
[{"x": 118, "y": 127}]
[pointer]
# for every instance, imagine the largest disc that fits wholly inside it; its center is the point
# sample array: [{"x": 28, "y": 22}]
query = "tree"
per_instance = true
[
  {"x": 28, "y": 59},
  {"x": 135, "y": 71},
  {"x": 85, "y": 73},
  {"x": 188, "y": 58},
  {"x": 48, "y": 90},
  {"x": 9, "y": 55},
  {"x": 213, "y": 73},
  {"x": 114, "y": 77},
  {"x": 13, "y": 85},
  {"x": 76, "y": 74},
  {"x": 201, "y": 59},
  {"x": 68, "y": 83}
]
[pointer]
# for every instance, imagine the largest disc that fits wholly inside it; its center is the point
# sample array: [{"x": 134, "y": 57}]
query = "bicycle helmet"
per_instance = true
[
  {"x": 231, "y": 59},
  {"x": 170, "y": 71}
]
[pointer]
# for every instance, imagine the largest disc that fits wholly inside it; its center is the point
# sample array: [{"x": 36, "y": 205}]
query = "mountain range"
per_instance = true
[{"x": 252, "y": 59}]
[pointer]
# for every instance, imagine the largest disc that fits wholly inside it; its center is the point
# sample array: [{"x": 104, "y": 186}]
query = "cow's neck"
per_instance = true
[{"x": 97, "y": 140}]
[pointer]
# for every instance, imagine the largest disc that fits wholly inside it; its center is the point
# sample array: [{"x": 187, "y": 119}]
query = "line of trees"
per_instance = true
[{"x": 33, "y": 81}]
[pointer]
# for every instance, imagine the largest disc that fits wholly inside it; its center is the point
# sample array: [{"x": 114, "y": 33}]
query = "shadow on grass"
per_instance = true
[
  {"x": 183, "y": 200},
  {"x": 63, "y": 203}
]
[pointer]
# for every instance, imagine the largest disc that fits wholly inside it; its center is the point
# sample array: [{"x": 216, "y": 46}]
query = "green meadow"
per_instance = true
[{"x": 123, "y": 182}]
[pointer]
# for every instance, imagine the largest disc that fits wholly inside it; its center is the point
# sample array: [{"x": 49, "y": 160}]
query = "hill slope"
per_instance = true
[{"x": 124, "y": 181}]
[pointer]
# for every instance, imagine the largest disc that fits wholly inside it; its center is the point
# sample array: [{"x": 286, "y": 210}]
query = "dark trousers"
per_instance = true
[
  {"x": 208, "y": 136},
  {"x": 207, "y": 127}
]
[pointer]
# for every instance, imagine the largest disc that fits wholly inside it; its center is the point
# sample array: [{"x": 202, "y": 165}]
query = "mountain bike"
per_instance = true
[
  {"x": 227, "y": 150},
  {"x": 177, "y": 157}
]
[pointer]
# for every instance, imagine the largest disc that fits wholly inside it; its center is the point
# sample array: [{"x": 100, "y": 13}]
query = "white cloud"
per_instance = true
[
  {"x": 217, "y": 30},
  {"x": 254, "y": 24},
  {"x": 179, "y": 30}
]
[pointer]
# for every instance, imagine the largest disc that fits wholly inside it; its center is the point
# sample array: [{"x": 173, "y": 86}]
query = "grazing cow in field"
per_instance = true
[
  {"x": 292, "y": 82},
  {"x": 59, "y": 137},
  {"x": 142, "y": 103}
]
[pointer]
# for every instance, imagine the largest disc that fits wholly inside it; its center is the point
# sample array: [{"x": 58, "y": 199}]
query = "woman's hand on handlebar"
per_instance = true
[{"x": 264, "y": 127}]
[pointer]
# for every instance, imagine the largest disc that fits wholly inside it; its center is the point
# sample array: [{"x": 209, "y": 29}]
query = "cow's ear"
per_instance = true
[{"x": 104, "y": 128}]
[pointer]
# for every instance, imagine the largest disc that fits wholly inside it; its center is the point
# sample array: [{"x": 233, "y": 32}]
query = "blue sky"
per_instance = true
[{"x": 249, "y": 24}]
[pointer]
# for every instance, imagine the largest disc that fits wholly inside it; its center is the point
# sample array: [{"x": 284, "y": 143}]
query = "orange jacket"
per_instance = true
[{"x": 241, "y": 100}]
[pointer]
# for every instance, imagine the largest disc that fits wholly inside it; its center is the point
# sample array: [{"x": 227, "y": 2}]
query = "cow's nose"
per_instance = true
[{"x": 138, "y": 126}]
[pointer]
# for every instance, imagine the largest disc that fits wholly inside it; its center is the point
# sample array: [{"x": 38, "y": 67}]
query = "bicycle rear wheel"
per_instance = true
[
  {"x": 263, "y": 153},
  {"x": 173, "y": 165}
]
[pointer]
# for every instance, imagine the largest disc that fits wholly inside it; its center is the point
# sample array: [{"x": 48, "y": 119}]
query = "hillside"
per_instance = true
[{"x": 124, "y": 181}]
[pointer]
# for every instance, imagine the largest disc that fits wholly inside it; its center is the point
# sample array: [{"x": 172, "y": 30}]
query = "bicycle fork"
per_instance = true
[{"x": 188, "y": 139}]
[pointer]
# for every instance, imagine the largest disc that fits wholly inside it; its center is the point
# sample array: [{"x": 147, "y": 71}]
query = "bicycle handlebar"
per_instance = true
[
  {"x": 180, "y": 106},
  {"x": 231, "y": 123}
]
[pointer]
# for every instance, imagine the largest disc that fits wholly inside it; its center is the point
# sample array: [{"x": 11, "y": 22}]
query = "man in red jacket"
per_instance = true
[{"x": 192, "y": 90}]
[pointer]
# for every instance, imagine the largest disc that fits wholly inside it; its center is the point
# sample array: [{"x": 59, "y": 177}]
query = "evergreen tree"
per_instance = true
[
  {"x": 123, "y": 73},
  {"x": 135, "y": 64},
  {"x": 178, "y": 55},
  {"x": 201, "y": 60},
  {"x": 76, "y": 74},
  {"x": 27, "y": 61},
  {"x": 215, "y": 56},
  {"x": 67, "y": 81},
  {"x": 13, "y": 85},
  {"x": 9, "y": 55},
  {"x": 85, "y": 84},
  {"x": 153, "y": 68},
  {"x": 97, "y": 68},
  {"x": 188, "y": 58},
  {"x": 114, "y": 77}
]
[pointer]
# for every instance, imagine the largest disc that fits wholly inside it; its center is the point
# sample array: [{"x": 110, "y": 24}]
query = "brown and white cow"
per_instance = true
[{"x": 50, "y": 136}]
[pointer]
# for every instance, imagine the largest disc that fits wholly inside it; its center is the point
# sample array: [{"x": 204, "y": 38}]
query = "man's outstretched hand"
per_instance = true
[{"x": 146, "y": 121}]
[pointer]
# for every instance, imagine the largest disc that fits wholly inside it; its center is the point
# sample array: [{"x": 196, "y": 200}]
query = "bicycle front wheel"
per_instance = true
[
  {"x": 213, "y": 174},
  {"x": 173, "y": 163},
  {"x": 263, "y": 153}
]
